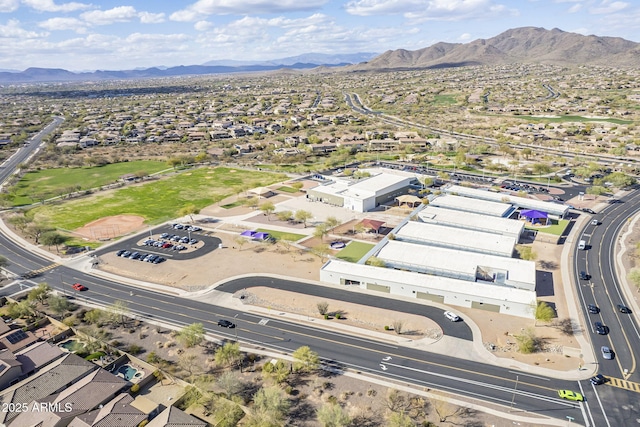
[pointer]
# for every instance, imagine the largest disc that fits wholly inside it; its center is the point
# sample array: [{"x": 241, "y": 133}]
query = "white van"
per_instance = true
[{"x": 582, "y": 245}]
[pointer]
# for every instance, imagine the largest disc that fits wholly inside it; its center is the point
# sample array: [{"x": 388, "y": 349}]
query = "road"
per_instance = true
[
  {"x": 11, "y": 164},
  {"x": 604, "y": 290}
]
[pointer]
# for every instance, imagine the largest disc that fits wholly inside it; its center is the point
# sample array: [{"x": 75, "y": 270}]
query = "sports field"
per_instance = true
[
  {"x": 49, "y": 183},
  {"x": 155, "y": 201}
]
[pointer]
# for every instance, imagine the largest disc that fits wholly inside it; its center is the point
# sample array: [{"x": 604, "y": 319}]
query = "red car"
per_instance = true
[{"x": 79, "y": 287}]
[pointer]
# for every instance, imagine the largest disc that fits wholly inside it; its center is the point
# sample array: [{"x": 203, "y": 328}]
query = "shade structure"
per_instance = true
[
  {"x": 408, "y": 199},
  {"x": 372, "y": 224},
  {"x": 535, "y": 216}
]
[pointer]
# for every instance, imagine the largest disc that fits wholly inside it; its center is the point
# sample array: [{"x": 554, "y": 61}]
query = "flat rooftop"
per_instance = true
[
  {"x": 471, "y": 221},
  {"x": 521, "y": 202},
  {"x": 468, "y": 240},
  {"x": 464, "y": 265},
  {"x": 427, "y": 281},
  {"x": 467, "y": 204}
]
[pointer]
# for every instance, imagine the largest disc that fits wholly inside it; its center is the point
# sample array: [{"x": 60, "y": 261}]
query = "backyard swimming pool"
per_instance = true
[
  {"x": 72, "y": 346},
  {"x": 130, "y": 373}
]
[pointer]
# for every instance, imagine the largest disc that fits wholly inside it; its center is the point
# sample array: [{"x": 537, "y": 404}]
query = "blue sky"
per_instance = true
[{"x": 126, "y": 34}]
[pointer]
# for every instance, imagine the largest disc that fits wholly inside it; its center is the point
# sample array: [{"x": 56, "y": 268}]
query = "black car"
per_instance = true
[
  {"x": 120, "y": 252},
  {"x": 624, "y": 309},
  {"x": 584, "y": 275},
  {"x": 600, "y": 328},
  {"x": 226, "y": 324},
  {"x": 587, "y": 210},
  {"x": 598, "y": 379},
  {"x": 593, "y": 309}
]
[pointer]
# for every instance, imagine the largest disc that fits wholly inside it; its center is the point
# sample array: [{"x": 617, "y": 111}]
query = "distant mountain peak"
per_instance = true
[{"x": 516, "y": 45}]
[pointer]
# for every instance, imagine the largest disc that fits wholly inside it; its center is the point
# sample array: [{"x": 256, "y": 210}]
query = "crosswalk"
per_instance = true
[
  {"x": 628, "y": 385},
  {"x": 34, "y": 273}
]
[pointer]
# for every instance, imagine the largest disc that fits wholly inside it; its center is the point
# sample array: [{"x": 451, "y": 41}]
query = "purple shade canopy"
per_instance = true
[{"x": 533, "y": 214}]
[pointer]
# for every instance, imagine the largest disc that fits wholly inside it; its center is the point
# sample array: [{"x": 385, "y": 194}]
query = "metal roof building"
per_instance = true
[
  {"x": 444, "y": 290},
  {"x": 471, "y": 221},
  {"x": 466, "y": 204},
  {"x": 462, "y": 239},
  {"x": 519, "y": 202},
  {"x": 457, "y": 264}
]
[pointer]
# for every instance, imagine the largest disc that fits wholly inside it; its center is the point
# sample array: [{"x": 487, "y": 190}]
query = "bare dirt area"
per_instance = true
[
  {"x": 110, "y": 227},
  {"x": 230, "y": 261}
]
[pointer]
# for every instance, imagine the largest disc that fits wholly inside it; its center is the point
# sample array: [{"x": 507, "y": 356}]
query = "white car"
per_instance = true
[{"x": 451, "y": 316}]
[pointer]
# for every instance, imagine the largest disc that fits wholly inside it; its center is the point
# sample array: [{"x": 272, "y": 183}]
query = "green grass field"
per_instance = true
[
  {"x": 557, "y": 228},
  {"x": 155, "y": 201},
  {"x": 354, "y": 251},
  {"x": 286, "y": 189},
  {"x": 51, "y": 182},
  {"x": 281, "y": 235}
]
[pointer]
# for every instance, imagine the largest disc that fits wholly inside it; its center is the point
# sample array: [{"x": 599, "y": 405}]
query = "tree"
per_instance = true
[
  {"x": 333, "y": 415},
  {"x": 226, "y": 413},
  {"x": 53, "y": 238},
  {"x": 397, "y": 326},
  {"x": 323, "y": 307},
  {"x": 446, "y": 410},
  {"x": 526, "y": 252},
  {"x": 118, "y": 312},
  {"x": 95, "y": 317},
  {"x": 332, "y": 222},
  {"x": 268, "y": 209},
  {"x": 527, "y": 342},
  {"x": 320, "y": 231},
  {"x": 21, "y": 310},
  {"x": 376, "y": 262},
  {"x": 229, "y": 382},
  {"x": 35, "y": 230},
  {"x": 278, "y": 371},
  {"x": 58, "y": 304},
  {"x": 544, "y": 312},
  {"x": 189, "y": 210},
  {"x": 284, "y": 215},
  {"x": 270, "y": 407},
  {"x": 297, "y": 185},
  {"x": 321, "y": 251},
  {"x": 191, "y": 335},
  {"x": 399, "y": 419},
  {"x": 240, "y": 241},
  {"x": 360, "y": 228},
  {"x": 307, "y": 360},
  {"x": 20, "y": 222},
  {"x": 228, "y": 354},
  {"x": 40, "y": 293},
  {"x": 187, "y": 362},
  {"x": 303, "y": 216}
]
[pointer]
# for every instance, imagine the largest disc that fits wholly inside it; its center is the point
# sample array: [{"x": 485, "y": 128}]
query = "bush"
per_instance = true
[
  {"x": 386, "y": 327},
  {"x": 134, "y": 349},
  {"x": 135, "y": 388},
  {"x": 95, "y": 356}
]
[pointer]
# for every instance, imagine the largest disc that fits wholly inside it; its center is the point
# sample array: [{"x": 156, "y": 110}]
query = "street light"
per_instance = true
[{"x": 515, "y": 388}]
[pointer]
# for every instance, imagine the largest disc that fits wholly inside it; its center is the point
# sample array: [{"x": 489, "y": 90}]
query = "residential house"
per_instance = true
[
  {"x": 174, "y": 417},
  {"x": 119, "y": 412}
]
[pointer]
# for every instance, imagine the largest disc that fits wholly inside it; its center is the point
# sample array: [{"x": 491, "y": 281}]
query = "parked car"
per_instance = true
[
  {"x": 79, "y": 287},
  {"x": 159, "y": 260},
  {"x": 606, "y": 352},
  {"x": 164, "y": 235},
  {"x": 451, "y": 316},
  {"x": 624, "y": 309},
  {"x": 125, "y": 254},
  {"x": 593, "y": 309},
  {"x": 166, "y": 245},
  {"x": 120, "y": 252},
  {"x": 226, "y": 324},
  {"x": 598, "y": 379},
  {"x": 193, "y": 241},
  {"x": 134, "y": 255},
  {"x": 600, "y": 328},
  {"x": 587, "y": 210}
]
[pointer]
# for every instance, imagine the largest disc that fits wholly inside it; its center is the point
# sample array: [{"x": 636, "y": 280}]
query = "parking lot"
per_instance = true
[{"x": 167, "y": 242}]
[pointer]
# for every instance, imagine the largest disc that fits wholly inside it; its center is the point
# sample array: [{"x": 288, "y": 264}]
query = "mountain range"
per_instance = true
[{"x": 518, "y": 45}]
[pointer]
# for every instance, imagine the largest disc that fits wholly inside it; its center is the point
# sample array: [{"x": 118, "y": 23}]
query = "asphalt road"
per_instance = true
[
  {"x": 11, "y": 164},
  {"x": 604, "y": 290}
]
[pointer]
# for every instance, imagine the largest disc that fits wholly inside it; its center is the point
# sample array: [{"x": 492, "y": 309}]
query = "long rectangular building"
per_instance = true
[
  {"x": 471, "y": 221},
  {"x": 444, "y": 290},
  {"x": 462, "y": 239},
  {"x": 466, "y": 204}
]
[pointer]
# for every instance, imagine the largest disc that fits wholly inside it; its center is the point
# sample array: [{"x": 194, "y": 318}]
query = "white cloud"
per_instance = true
[
  {"x": 8, "y": 5},
  {"x": 13, "y": 30},
  {"x": 575, "y": 8},
  {"x": 203, "y": 25},
  {"x": 606, "y": 7},
  {"x": 431, "y": 10},
  {"x": 464, "y": 37},
  {"x": 50, "y": 6},
  {"x": 225, "y": 7},
  {"x": 151, "y": 18},
  {"x": 64, "y": 24},
  {"x": 106, "y": 17}
]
